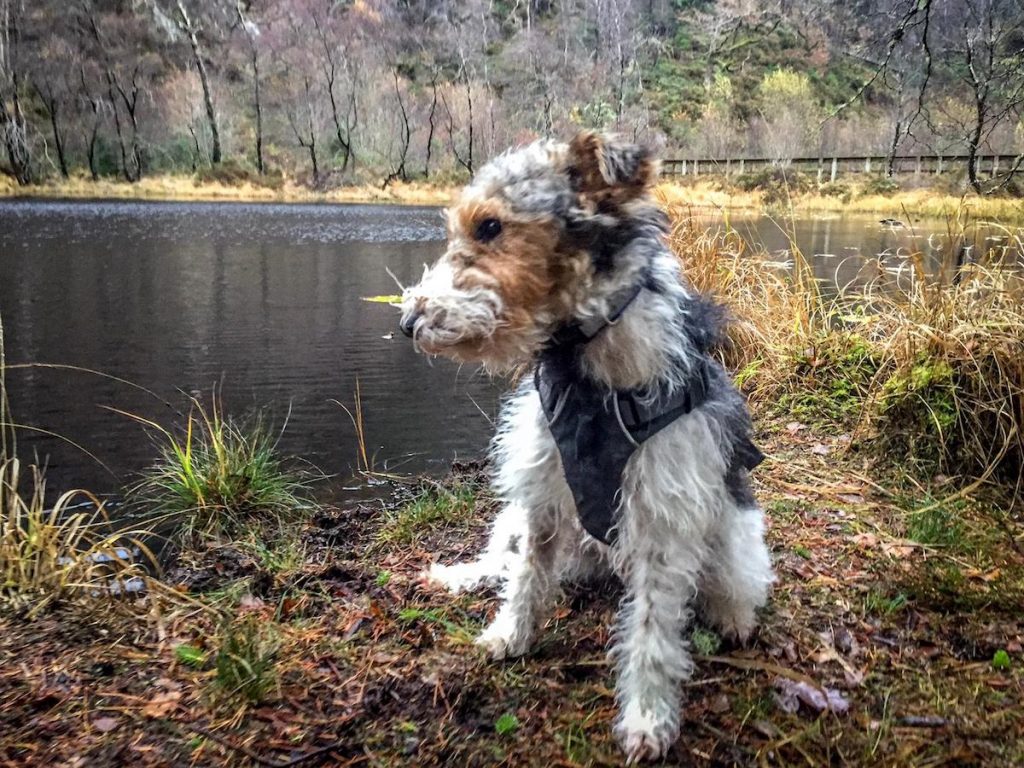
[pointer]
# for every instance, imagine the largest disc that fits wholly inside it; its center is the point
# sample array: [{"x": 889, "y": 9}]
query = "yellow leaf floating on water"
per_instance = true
[{"x": 383, "y": 299}]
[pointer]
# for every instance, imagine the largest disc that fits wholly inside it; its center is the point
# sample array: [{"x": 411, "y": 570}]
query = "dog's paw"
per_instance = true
[
  {"x": 504, "y": 639},
  {"x": 734, "y": 622},
  {"x": 643, "y": 736},
  {"x": 461, "y": 577}
]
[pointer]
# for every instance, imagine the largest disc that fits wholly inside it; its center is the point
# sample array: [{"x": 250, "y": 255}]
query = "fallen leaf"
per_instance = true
[
  {"x": 865, "y": 539},
  {"x": 720, "y": 704},
  {"x": 105, "y": 724},
  {"x": 820, "y": 449},
  {"x": 162, "y": 704},
  {"x": 794, "y": 426},
  {"x": 791, "y": 694}
]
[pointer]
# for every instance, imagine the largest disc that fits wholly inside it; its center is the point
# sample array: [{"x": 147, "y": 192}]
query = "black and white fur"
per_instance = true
[{"x": 689, "y": 530}]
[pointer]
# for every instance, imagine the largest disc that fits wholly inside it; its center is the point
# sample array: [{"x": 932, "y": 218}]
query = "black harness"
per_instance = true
[{"x": 597, "y": 428}]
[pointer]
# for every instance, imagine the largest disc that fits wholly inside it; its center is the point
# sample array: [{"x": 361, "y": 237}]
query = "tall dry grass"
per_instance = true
[
  {"x": 64, "y": 550},
  {"x": 930, "y": 366}
]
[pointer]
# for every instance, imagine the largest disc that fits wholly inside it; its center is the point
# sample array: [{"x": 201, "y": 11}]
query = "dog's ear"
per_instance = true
[{"x": 606, "y": 169}]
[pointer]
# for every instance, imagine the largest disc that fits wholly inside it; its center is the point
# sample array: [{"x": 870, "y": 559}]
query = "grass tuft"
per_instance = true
[
  {"x": 246, "y": 659},
  {"x": 217, "y": 475},
  {"x": 433, "y": 506}
]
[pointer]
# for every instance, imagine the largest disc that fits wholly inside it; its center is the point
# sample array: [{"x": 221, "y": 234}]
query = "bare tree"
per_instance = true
[
  {"x": 251, "y": 32},
  {"x": 405, "y": 135},
  {"x": 994, "y": 59},
  {"x": 13, "y": 122},
  {"x": 191, "y": 31},
  {"x": 52, "y": 100},
  {"x": 123, "y": 95},
  {"x": 329, "y": 67},
  {"x": 306, "y": 134}
]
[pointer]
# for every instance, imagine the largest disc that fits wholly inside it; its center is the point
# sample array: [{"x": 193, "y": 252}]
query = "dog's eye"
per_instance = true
[{"x": 487, "y": 230}]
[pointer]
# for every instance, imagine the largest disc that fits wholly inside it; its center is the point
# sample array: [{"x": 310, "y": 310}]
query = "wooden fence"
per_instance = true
[{"x": 831, "y": 167}]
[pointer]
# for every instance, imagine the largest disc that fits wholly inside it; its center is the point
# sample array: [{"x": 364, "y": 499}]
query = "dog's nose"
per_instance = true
[{"x": 408, "y": 322}]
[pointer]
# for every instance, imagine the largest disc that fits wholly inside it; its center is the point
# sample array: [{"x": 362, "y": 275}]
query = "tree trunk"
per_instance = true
[
  {"x": 12, "y": 123},
  {"x": 197, "y": 55},
  {"x": 254, "y": 60},
  {"x": 52, "y": 104},
  {"x": 430, "y": 122}
]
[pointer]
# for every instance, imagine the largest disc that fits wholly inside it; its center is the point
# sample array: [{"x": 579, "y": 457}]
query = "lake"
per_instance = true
[{"x": 264, "y": 303}]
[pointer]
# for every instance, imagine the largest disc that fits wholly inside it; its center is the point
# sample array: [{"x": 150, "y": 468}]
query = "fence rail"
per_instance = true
[{"x": 831, "y": 167}]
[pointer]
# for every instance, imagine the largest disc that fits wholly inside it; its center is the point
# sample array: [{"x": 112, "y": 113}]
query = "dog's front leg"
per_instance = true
[
  {"x": 531, "y": 582},
  {"x": 651, "y": 656},
  {"x": 504, "y": 550}
]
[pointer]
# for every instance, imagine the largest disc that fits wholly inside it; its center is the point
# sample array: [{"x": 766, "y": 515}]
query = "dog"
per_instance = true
[{"x": 628, "y": 449}]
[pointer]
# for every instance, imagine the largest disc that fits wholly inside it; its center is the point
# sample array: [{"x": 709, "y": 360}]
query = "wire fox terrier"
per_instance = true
[{"x": 628, "y": 449}]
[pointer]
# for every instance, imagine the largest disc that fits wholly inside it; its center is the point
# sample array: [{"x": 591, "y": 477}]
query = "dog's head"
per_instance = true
[{"x": 525, "y": 241}]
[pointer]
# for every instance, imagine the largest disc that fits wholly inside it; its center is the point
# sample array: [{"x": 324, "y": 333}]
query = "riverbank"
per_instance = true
[
  {"x": 712, "y": 193},
  {"x": 321, "y": 648},
  {"x": 305, "y": 637}
]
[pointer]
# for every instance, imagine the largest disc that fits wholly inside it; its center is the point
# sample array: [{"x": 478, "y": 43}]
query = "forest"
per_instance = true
[{"x": 332, "y": 92}]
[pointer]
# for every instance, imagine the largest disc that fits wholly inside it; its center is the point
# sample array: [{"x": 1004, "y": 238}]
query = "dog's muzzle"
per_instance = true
[{"x": 408, "y": 322}]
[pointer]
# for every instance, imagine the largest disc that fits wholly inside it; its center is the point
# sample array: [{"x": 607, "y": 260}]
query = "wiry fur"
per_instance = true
[{"x": 582, "y": 229}]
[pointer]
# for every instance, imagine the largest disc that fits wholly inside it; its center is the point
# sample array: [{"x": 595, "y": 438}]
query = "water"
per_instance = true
[{"x": 263, "y": 301}]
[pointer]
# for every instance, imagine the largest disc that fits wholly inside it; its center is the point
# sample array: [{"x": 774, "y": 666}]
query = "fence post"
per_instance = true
[
  {"x": 821, "y": 169},
  {"x": 867, "y": 164},
  {"x": 728, "y": 166},
  {"x": 835, "y": 168},
  {"x": 743, "y": 163},
  {"x": 995, "y": 165},
  {"x": 917, "y": 168},
  {"x": 938, "y": 167},
  {"x": 696, "y": 167},
  {"x": 684, "y": 168}
]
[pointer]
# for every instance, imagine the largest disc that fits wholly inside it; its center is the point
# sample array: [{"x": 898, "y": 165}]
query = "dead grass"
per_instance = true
[
  {"x": 717, "y": 194},
  {"x": 927, "y": 366},
  {"x": 65, "y": 549},
  {"x": 187, "y": 188}
]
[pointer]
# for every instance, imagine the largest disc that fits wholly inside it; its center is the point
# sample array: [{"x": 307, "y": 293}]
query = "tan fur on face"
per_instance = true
[{"x": 523, "y": 264}]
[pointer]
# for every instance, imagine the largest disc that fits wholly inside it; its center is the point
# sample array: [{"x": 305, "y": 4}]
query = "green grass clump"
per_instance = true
[
  {"x": 217, "y": 476},
  {"x": 245, "y": 664},
  {"x": 434, "y": 506}
]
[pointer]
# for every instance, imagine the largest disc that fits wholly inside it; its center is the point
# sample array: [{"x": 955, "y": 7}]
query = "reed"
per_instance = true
[{"x": 930, "y": 366}]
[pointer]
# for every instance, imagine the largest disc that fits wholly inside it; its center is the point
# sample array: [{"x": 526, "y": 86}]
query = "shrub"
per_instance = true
[
  {"x": 835, "y": 189},
  {"x": 881, "y": 185},
  {"x": 234, "y": 173},
  {"x": 776, "y": 183}
]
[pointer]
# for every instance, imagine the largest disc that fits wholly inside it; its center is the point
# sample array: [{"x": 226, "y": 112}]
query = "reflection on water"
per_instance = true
[
  {"x": 852, "y": 250},
  {"x": 264, "y": 300}
]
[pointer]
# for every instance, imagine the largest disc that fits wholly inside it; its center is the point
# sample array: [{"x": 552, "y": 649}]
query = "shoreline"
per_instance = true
[{"x": 710, "y": 196}]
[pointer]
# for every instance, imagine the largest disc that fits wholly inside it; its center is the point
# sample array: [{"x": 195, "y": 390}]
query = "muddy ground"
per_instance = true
[{"x": 320, "y": 647}]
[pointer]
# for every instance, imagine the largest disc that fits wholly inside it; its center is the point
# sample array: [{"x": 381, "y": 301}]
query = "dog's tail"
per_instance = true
[{"x": 707, "y": 322}]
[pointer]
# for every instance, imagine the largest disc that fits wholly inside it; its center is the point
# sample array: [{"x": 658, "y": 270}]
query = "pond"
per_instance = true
[{"x": 264, "y": 303}]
